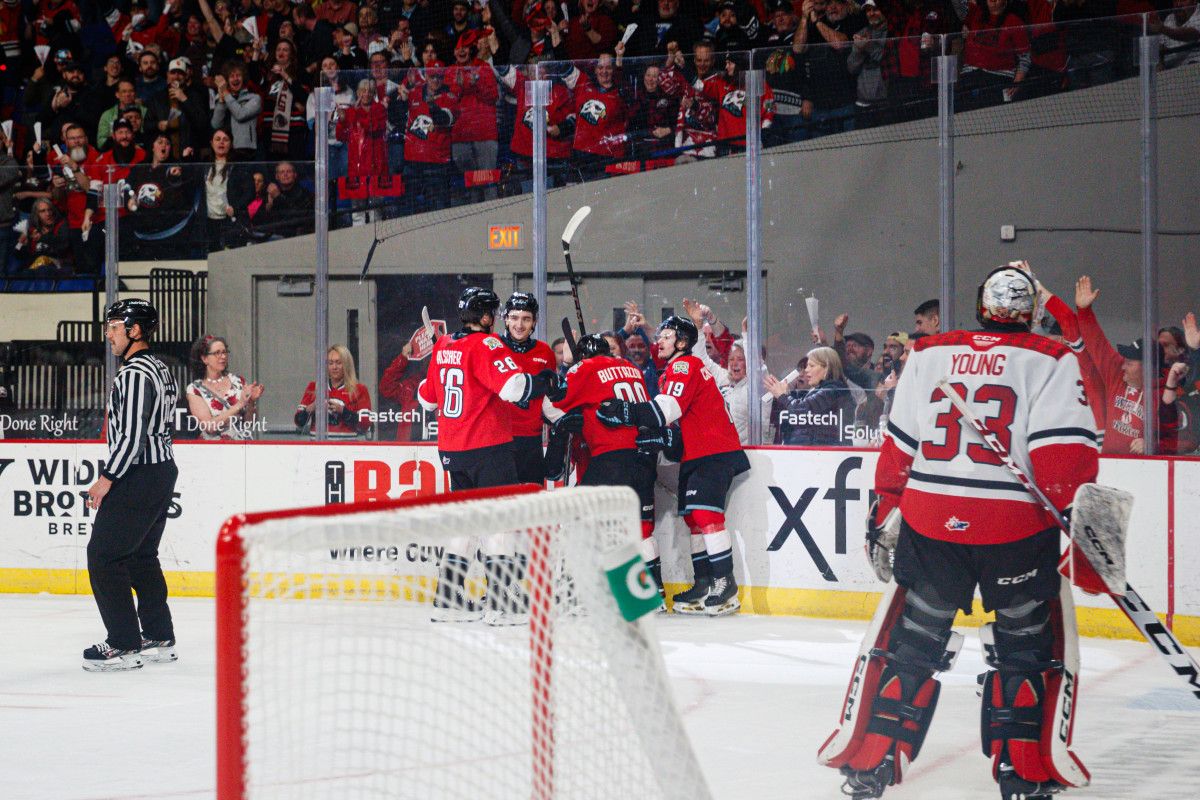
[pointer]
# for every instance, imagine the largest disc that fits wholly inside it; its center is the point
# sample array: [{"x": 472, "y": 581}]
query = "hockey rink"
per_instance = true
[{"x": 758, "y": 695}]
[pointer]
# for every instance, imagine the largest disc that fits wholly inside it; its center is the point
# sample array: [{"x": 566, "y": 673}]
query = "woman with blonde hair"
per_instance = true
[
  {"x": 347, "y": 398},
  {"x": 820, "y": 414}
]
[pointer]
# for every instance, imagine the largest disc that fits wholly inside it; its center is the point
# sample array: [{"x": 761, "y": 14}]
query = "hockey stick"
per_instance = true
[
  {"x": 426, "y": 322},
  {"x": 568, "y": 233},
  {"x": 1137, "y": 609},
  {"x": 569, "y": 335}
]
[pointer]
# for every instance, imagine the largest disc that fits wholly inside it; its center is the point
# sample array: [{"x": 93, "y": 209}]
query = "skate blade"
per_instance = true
[
  {"x": 121, "y": 664},
  {"x": 160, "y": 655},
  {"x": 502, "y": 620},
  {"x": 725, "y": 609},
  {"x": 694, "y": 609},
  {"x": 453, "y": 615}
]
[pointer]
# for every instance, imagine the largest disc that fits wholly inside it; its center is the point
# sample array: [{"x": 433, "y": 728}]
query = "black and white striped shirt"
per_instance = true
[{"x": 141, "y": 409}]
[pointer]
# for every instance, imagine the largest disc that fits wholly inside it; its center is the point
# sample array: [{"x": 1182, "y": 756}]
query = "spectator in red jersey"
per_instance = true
[
  {"x": 473, "y": 138},
  {"x": 432, "y": 110},
  {"x": 399, "y": 384},
  {"x": 590, "y": 32},
  {"x": 346, "y": 398},
  {"x": 362, "y": 128},
  {"x": 560, "y": 119},
  {"x": 113, "y": 166},
  {"x": 652, "y": 113},
  {"x": 337, "y": 12},
  {"x": 996, "y": 56},
  {"x": 1121, "y": 373},
  {"x": 601, "y": 129},
  {"x": 730, "y": 99},
  {"x": 919, "y": 24},
  {"x": 697, "y": 120},
  {"x": 73, "y": 173}
]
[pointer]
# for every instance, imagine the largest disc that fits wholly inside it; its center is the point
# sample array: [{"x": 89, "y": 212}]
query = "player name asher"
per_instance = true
[
  {"x": 449, "y": 357},
  {"x": 977, "y": 363},
  {"x": 610, "y": 374}
]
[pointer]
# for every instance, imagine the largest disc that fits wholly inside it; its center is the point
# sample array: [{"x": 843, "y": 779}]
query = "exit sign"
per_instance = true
[{"x": 505, "y": 237}]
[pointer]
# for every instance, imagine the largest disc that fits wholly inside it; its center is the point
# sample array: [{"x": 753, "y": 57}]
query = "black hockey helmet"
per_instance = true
[
  {"x": 592, "y": 345},
  {"x": 684, "y": 329},
  {"x": 476, "y": 303},
  {"x": 134, "y": 311},
  {"x": 521, "y": 301}
]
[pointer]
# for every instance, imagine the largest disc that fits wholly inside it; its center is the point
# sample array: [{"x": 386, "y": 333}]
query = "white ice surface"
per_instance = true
[{"x": 758, "y": 696}]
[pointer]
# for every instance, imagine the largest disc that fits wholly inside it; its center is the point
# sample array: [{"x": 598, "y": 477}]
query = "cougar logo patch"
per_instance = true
[
  {"x": 593, "y": 111},
  {"x": 956, "y": 524},
  {"x": 422, "y": 126},
  {"x": 734, "y": 102},
  {"x": 493, "y": 343},
  {"x": 681, "y": 367}
]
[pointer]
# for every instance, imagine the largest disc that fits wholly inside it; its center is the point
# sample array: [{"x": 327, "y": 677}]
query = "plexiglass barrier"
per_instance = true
[{"x": 877, "y": 217}]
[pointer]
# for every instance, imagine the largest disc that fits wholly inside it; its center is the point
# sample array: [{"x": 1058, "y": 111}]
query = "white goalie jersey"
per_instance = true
[{"x": 949, "y": 485}]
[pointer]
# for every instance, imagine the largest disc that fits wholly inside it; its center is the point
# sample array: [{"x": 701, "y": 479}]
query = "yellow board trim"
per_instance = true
[{"x": 1107, "y": 623}]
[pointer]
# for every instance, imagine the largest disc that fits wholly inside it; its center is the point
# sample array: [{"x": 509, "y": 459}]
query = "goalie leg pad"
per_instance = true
[
  {"x": 893, "y": 694},
  {"x": 1029, "y": 697}
]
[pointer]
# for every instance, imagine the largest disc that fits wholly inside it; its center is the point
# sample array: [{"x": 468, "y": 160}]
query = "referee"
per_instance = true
[{"x": 132, "y": 496}]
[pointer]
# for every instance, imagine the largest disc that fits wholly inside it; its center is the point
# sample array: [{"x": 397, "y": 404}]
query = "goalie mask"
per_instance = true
[{"x": 1008, "y": 296}]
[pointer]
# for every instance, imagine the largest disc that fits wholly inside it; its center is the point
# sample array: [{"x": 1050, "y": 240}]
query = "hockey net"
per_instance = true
[{"x": 334, "y": 683}]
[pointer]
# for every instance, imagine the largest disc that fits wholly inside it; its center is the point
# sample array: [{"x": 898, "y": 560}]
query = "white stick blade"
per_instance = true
[
  {"x": 573, "y": 225},
  {"x": 425, "y": 320}
]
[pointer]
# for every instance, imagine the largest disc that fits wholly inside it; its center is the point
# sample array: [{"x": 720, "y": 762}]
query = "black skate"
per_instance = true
[
  {"x": 863, "y": 784},
  {"x": 158, "y": 651},
  {"x": 103, "y": 657},
  {"x": 722, "y": 597},
  {"x": 1014, "y": 787},
  {"x": 692, "y": 600},
  {"x": 507, "y": 604}
]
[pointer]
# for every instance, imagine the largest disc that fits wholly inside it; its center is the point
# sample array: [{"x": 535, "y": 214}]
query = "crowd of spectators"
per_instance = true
[{"x": 204, "y": 111}]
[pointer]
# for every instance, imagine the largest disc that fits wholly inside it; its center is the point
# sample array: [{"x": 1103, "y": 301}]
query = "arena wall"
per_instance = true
[{"x": 797, "y": 518}]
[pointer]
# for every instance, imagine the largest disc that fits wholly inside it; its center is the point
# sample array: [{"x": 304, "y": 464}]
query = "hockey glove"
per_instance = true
[
  {"x": 881, "y": 541},
  {"x": 557, "y": 462},
  {"x": 661, "y": 440},
  {"x": 616, "y": 413},
  {"x": 547, "y": 383}
]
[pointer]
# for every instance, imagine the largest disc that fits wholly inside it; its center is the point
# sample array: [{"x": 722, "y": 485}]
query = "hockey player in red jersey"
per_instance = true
[
  {"x": 712, "y": 458},
  {"x": 532, "y": 356},
  {"x": 614, "y": 458},
  {"x": 963, "y": 521},
  {"x": 472, "y": 380}
]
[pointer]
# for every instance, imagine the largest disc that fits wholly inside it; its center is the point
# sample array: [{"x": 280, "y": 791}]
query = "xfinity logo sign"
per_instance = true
[{"x": 793, "y": 515}]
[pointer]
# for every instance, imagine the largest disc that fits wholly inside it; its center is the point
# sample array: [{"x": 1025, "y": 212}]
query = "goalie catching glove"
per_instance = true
[
  {"x": 617, "y": 413},
  {"x": 881, "y": 541}
]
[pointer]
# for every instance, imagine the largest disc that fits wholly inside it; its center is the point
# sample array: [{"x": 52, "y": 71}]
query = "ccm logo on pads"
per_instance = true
[{"x": 1013, "y": 581}]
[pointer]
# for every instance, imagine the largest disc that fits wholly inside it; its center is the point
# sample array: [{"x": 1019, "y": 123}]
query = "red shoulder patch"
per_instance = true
[{"x": 985, "y": 340}]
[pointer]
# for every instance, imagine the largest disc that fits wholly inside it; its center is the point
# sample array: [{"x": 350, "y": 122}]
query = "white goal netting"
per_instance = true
[{"x": 333, "y": 682}]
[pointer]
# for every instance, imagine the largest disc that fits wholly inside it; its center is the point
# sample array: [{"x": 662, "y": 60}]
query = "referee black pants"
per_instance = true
[{"x": 123, "y": 555}]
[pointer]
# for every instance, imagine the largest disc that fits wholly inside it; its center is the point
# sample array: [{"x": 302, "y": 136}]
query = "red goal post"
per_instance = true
[{"x": 333, "y": 682}]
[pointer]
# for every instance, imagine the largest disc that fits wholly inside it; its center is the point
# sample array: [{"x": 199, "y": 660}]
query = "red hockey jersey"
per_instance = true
[
  {"x": 467, "y": 372},
  {"x": 688, "y": 393},
  {"x": 601, "y": 121},
  {"x": 528, "y": 421},
  {"x": 591, "y": 382},
  {"x": 559, "y": 113},
  {"x": 949, "y": 485},
  {"x": 426, "y": 141}
]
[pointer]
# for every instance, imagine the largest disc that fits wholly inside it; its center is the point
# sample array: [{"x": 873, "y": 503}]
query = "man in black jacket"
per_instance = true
[{"x": 181, "y": 111}]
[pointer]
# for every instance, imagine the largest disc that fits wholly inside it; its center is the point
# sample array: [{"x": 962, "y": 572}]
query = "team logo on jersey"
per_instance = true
[
  {"x": 422, "y": 126},
  {"x": 593, "y": 111},
  {"x": 681, "y": 367},
  {"x": 574, "y": 367},
  {"x": 957, "y": 525},
  {"x": 528, "y": 118},
  {"x": 983, "y": 341},
  {"x": 493, "y": 343},
  {"x": 734, "y": 102}
]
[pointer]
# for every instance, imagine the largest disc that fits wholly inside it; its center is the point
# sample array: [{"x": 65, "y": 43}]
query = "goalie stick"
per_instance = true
[
  {"x": 569, "y": 232},
  {"x": 1137, "y": 609}
]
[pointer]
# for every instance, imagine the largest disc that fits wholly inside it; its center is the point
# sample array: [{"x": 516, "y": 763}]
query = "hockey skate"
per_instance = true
[
  {"x": 158, "y": 651},
  {"x": 103, "y": 657},
  {"x": 507, "y": 604},
  {"x": 863, "y": 784},
  {"x": 1014, "y": 787},
  {"x": 722, "y": 598},
  {"x": 692, "y": 600}
]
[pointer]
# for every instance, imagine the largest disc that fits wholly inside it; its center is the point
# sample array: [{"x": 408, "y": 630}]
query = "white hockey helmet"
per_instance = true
[{"x": 1007, "y": 296}]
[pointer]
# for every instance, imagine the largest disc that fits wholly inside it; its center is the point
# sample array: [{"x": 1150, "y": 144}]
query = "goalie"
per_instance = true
[{"x": 957, "y": 519}]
